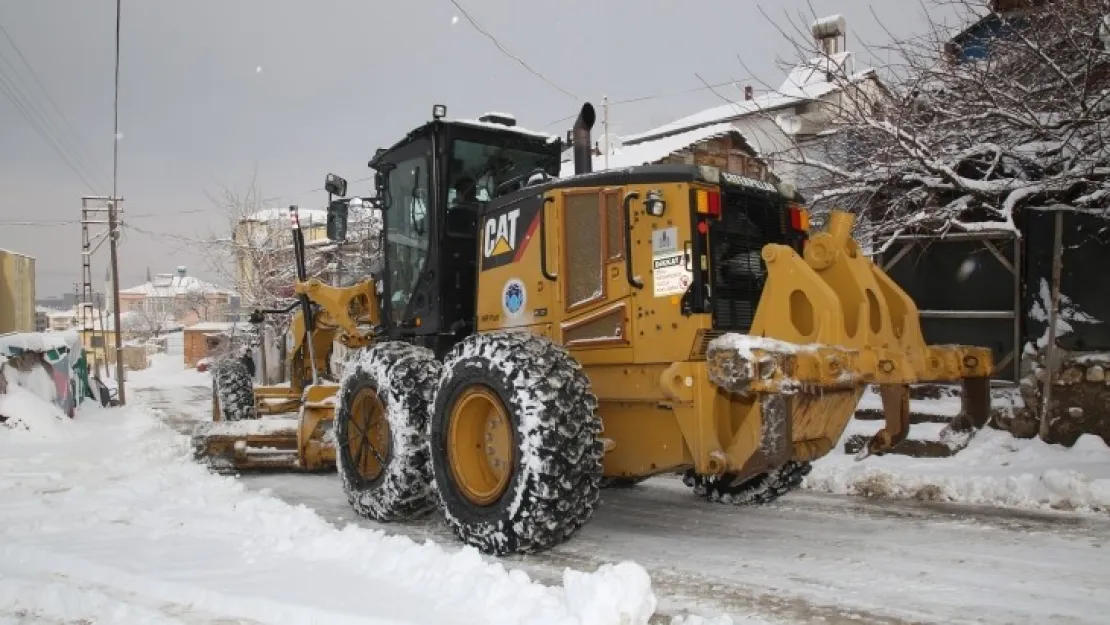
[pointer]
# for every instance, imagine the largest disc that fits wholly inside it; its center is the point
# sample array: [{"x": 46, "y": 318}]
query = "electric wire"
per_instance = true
[
  {"x": 80, "y": 152},
  {"x": 510, "y": 54}
]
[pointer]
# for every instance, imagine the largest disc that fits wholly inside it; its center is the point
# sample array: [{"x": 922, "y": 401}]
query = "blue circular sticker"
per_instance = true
[{"x": 513, "y": 297}]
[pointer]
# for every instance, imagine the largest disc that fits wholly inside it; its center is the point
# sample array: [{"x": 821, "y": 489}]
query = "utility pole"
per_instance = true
[
  {"x": 93, "y": 209},
  {"x": 605, "y": 123},
  {"x": 113, "y": 227}
]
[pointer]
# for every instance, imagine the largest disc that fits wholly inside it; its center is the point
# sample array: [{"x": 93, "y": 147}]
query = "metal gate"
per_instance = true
[
  {"x": 967, "y": 287},
  {"x": 175, "y": 343}
]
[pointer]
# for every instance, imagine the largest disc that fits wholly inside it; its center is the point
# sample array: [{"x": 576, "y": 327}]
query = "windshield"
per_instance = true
[
  {"x": 478, "y": 169},
  {"x": 406, "y": 228}
]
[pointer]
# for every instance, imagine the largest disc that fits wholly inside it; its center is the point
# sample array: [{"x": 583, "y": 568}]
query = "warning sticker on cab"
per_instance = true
[{"x": 670, "y": 275}]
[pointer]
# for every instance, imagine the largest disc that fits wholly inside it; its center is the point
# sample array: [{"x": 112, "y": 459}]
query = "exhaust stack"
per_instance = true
[{"x": 583, "y": 147}]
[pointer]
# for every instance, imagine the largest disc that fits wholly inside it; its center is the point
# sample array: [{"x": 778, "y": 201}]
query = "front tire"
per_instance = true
[
  {"x": 514, "y": 440},
  {"x": 232, "y": 391},
  {"x": 381, "y": 446}
]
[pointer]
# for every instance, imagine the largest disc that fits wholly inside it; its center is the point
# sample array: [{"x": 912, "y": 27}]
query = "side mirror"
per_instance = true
[
  {"x": 337, "y": 220},
  {"x": 335, "y": 185}
]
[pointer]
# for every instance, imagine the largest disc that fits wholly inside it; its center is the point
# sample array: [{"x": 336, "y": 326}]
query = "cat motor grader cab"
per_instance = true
[{"x": 540, "y": 337}]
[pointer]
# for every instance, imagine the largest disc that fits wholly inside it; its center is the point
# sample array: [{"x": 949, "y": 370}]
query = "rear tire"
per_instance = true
[
  {"x": 759, "y": 490},
  {"x": 383, "y": 399},
  {"x": 233, "y": 391},
  {"x": 531, "y": 484}
]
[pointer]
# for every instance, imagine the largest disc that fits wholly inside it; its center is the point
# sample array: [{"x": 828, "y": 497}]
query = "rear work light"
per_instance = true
[
  {"x": 708, "y": 202},
  {"x": 799, "y": 218}
]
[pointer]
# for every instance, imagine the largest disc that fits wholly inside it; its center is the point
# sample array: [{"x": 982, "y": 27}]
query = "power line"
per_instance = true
[
  {"x": 279, "y": 197},
  {"x": 654, "y": 96},
  {"x": 44, "y": 223},
  {"x": 10, "y": 90},
  {"x": 34, "y": 75},
  {"x": 510, "y": 54}
]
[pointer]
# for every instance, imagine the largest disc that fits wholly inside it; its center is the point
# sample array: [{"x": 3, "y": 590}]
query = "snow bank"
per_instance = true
[
  {"x": 995, "y": 469},
  {"x": 25, "y": 413},
  {"x": 37, "y": 380},
  {"x": 116, "y": 524}
]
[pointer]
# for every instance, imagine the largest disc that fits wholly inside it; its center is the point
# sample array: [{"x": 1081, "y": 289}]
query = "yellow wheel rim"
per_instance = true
[
  {"x": 368, "y": 435},
  {"x": 480, "y": 445}
]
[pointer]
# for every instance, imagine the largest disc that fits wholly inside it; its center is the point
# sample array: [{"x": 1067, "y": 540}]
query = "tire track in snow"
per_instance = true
[{"x": 809, "y": 557}]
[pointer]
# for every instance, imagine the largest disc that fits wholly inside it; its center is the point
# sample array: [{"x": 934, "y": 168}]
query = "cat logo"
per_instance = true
[{"x": 500, "y": 234}]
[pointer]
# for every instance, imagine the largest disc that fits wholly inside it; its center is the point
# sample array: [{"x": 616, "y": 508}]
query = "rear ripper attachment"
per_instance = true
[{"x": 834, "y": 323}]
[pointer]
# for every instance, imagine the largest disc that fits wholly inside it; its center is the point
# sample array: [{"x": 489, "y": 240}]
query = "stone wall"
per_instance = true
[{"x": 1080, "y": 398}]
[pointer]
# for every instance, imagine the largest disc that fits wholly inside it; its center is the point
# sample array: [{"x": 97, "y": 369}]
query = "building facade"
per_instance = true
[
  {"x": 17, "y": 292},
  {"x": 176, "y": 299}
]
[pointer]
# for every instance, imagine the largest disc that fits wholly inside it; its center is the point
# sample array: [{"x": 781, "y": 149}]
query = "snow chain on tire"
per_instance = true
[
  {"x": 761, "y": 489},
  {"x": 403, "y": 376},
  {"x": 234, "y": 390},
  {"x": 555, "y": 471}
]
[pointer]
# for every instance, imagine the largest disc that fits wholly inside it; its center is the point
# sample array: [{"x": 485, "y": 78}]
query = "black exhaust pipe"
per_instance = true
[{"x": 583, "y": 147}]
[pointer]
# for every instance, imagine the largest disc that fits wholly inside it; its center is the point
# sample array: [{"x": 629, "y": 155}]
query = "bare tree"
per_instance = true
[
  {"x": 146, "y": 322},
  {"x": 255, "y": 251},
  {"x": 965, "y": 141}
]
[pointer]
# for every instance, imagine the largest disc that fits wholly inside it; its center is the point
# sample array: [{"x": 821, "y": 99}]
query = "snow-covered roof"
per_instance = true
[
  {"x": 651, "y": 151},
  {"x": 172, "y": 285},
  {"x": 308, "y": 216},
  {"x": 218, "y": 326},
  {"x": 495, "y": 126},
  {"x": 14, "y": 253},
  {"x": 128, "y": 319},
  {"x": 806, "y": 81}
]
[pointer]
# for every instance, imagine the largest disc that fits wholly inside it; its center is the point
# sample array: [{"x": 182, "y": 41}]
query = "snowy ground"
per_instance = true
[
  {"x": 88, "y": 529},
  {"x": 108, "y": 521},
  {"x": 994, "y": 469}
]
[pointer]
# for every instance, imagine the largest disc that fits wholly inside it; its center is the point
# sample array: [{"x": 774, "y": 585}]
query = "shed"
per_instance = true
[{"x": 207, "y": 339}]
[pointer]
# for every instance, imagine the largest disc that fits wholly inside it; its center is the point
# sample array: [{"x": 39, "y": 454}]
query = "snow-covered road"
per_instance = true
[{"x": 810, "y": 558}]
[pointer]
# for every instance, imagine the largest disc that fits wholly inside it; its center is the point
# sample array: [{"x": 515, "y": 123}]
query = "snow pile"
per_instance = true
[
  {"x": 615, "y": 594},
  {"x": 995, "y": 468},
  {"x": 37, "y": 380},
  {"x": 26, "y": 412},
  {"x": 26, "y": 405},
  {"x": 116, "y": 524}
]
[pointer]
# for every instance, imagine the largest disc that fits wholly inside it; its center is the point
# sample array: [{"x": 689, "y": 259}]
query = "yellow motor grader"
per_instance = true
[{"x": 532, "y": 338}]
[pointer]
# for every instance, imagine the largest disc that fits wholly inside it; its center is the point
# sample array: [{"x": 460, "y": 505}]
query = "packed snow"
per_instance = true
[
  {"x": 114, "y": 523},
  {"x": 995, "y": 468}
]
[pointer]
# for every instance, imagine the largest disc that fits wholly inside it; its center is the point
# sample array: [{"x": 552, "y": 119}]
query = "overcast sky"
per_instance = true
[{"x": 210, "y": 90}]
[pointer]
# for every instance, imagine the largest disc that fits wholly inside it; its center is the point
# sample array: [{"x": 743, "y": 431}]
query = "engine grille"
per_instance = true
[{"x": 737, "y": 272}]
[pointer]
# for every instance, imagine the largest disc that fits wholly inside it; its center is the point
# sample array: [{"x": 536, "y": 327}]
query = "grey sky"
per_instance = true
[{"x": 338, "y": 79}]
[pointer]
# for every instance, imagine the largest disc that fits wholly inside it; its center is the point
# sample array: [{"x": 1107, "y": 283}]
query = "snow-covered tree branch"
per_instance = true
[{"x": 972, "y": 124}]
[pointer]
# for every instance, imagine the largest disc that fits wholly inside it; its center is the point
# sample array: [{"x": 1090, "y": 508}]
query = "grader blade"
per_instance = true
[{"x": 262, "y": 444}]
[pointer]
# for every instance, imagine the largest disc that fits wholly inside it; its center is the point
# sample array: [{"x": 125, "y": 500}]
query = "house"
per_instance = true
[
  {"x": 974, "y": 42},
  {"x": 61, "y": 320},
  {"x": 17, "y": 292},
  {"x": 264, "y": 247},
  {"x": 42, "y": 318},
  {"x": 208, "y": 339},
  {"x": 719, "y": 145},
  {"x": 177, "y": 298},
  {"x": 796, "y": 116}
]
